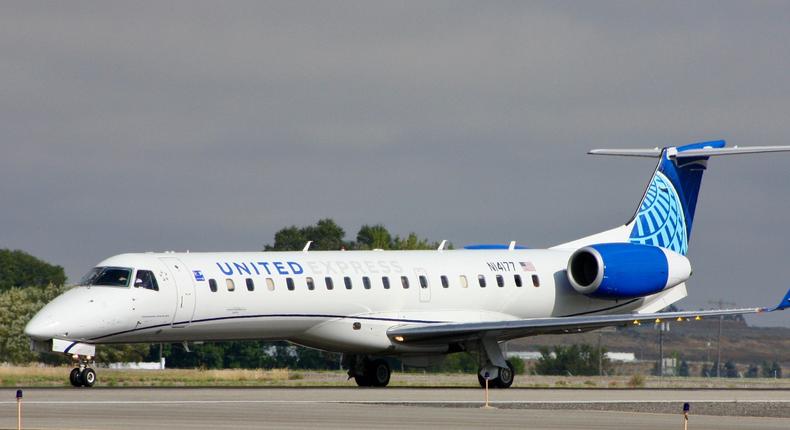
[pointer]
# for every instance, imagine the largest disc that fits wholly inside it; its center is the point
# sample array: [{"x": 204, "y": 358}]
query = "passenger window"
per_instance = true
[
  {"x": 212, "y": 285},
  {"x": 229, "y": 283},
  {"x": 270, "y": 284},
  {"x": 146, "y": 279},
  {"x": 500, "y": 281},
  {"x": 517, "y": 278},
  {"x": 481, "y": 279},
  {"x": 347, "y": 281},
  {"x": 289, "y": 283},
  {"x": 366, "y": 282},
  {"x": 464, "y": 282},
  {"x": 310, "y": 284},
  {"x": 535, "y": 281},
  {"x": 423, "y": 281},
  {"x": 329, "y": 284},
  {"x": 445, "y": 282},
  {"x": 405, "y": 281},
  {"x": 250, "y": 284},
  {"x": 385, "y": 281}
]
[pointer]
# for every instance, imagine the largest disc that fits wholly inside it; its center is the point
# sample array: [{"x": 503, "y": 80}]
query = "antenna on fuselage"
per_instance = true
[
  {"x": 441, "y": 245},
  {"x": 307, "y": 246},
  {"x": 512, "y": 245}
]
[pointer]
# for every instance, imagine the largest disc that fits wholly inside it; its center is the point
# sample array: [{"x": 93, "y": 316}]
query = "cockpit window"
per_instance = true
[
  {"x": 107, "y": 276},
  {"x": 146, "y": 279}
]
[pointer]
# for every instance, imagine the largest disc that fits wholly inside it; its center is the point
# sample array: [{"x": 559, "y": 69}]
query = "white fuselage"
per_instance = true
[{"x": 253, "y": 298}]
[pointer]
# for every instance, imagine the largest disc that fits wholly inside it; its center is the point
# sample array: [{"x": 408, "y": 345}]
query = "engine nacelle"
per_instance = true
[{"x": 625, "y": 270}]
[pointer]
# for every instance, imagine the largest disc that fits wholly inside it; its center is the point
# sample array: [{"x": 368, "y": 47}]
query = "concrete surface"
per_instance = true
[{"x": 342, "y": 408}]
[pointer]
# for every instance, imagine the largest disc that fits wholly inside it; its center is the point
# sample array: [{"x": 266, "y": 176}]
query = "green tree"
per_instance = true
[
  {"x": 460, "y": 362},
  {"x": 572, "y": 360},
  {"x": 20, "y": 269},
  {"x": 412, "y": 242},
  {"x": 374, "y": 237},
  {"x": 772, "y": 370},
  {"x": 683, "y": 369},
  {"x": 123, "y": 353},
  {"x": 325, "y": 234},
  {"x": 730, "y": 370},
  {"x": 519, "y": 366},
  {"x": 17, "y": 307}
]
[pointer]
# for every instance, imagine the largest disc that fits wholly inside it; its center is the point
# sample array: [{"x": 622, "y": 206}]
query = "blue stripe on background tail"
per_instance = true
[{"x": 666, "y": 213}]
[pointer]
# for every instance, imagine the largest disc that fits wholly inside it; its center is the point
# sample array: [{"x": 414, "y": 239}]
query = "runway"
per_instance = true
[{"x": 354, "y": 408}]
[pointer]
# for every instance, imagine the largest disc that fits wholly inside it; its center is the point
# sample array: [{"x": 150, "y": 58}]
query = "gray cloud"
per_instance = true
[{"x": 208, "y": 126}]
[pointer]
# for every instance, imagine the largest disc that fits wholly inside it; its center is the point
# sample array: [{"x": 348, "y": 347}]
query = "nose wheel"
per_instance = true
[{"x": 82, "y": 376}]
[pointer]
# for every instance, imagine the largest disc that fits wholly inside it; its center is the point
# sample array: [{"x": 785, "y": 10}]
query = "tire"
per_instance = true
[
  {"x": 379, "y": 373},
  {"x": 506, "y": 376},
  {"x": 362, "y": 380},
  {"x": 75, "y": 378},
  {"x": 88, "y": 377}
]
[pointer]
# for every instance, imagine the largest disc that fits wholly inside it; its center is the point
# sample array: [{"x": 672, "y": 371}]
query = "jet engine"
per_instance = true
[{"x": 625, "y": 270}]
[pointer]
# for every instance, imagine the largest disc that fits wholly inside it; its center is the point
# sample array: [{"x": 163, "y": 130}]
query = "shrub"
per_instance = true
[{"x": 636, "y": 381}]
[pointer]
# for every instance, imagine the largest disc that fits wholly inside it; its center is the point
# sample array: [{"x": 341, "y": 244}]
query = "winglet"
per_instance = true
[{"x": 784, "y": 304}]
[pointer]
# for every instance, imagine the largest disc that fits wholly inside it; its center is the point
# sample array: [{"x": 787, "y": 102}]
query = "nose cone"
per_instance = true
[
  {"x": 45, "y": 325},
  {"x": 56, "y": 319},
  {"x": 81, "y": 314}
]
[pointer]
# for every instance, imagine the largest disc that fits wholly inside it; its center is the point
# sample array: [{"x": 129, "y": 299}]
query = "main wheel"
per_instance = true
[
  {"x": 363, "y": 380},
  {"x": 506, "y": 376},
  {"x": 75, "y": 377},
  {"x": 88, "y": 377},
  {"x": 379, "y": 373}
]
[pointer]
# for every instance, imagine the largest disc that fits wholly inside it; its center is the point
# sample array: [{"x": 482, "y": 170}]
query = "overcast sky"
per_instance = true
[{"x": 209, "y": 126}]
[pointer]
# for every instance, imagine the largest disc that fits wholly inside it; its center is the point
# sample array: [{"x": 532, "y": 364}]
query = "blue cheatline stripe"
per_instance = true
[
  {"x": 327, "y": 316},
  {"x": 269, "y": 316}
]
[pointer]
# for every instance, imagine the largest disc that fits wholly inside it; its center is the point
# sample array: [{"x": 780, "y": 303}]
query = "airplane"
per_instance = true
[{"x": 415, "y": 305}]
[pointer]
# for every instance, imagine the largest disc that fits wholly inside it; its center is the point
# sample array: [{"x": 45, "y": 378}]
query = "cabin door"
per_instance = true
[{"x": 185, "y": 292}]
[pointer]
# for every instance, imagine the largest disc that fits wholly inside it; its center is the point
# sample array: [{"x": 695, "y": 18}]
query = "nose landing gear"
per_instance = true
[{"x": 82, "y": 376}]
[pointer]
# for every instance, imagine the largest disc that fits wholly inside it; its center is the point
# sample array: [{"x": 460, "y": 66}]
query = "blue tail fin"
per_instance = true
[{"x": 666, "y": 212}]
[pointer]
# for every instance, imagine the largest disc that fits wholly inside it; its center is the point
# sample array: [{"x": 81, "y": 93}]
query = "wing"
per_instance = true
[{"x": 506, "y": 330}]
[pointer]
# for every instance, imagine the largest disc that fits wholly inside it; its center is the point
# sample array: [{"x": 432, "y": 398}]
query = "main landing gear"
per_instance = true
[
  {"x": 82, "y": 376},
  {"x": 504, "y": 378},
  {"x": 367, "y": 372},
  {"x": 493, "y": 366}
]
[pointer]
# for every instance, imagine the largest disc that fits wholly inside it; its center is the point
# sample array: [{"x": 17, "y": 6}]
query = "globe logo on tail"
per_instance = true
[{"x": 660, "y": 221}]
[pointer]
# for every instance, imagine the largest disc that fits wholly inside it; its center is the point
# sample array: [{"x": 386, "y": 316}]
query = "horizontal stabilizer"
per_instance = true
[
  {"x": 689, "y": 153},
  {"x": 652, "y": 153},
  {"x": 712, "y": 152}
]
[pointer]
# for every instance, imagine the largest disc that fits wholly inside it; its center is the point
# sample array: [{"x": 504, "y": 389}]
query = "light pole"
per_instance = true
[
  {"x": 720, "y": 305},
  {"x": 662, "y": 326}
]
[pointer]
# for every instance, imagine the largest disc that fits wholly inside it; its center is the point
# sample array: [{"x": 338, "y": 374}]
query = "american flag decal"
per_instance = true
[{"x": 527, "y": 266}]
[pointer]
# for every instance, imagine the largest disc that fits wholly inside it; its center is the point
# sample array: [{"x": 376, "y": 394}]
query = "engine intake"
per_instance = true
[{"x": 625, "y": 270}]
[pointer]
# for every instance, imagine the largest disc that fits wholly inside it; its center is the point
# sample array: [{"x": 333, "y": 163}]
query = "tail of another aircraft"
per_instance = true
[{"x": 665, "y": 214}]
